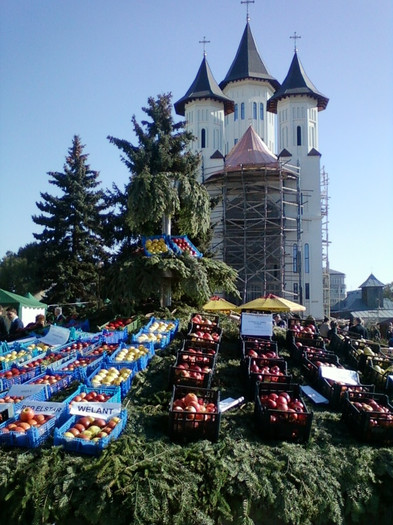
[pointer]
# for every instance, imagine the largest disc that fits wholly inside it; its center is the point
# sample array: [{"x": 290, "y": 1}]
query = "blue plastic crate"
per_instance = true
[
  {"x": 81, "y": 446},
  {"x": 124, "y": 385},
  {"x": 66, "y": 378},
  {"x": 138, "y": 364},
  {"x": 165, "y": 238},
  {"x": 38, "y": 396},
  {"x": 190, "y": 248},
  {"x": 7, "y": 382}
]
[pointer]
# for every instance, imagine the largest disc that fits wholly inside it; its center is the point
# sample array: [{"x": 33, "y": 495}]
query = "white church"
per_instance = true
[{"x": 258, "y": 142}]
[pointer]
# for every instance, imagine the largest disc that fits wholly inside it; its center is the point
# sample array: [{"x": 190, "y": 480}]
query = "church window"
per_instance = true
[
  {"x": 203, "y": 138},
  {"x": 299, "y": 136},
  {"x": 242, "y": 110},
  {"x": 261, "y": 110},
  {"x": 254, "y": 110},
  {"x": 307, "y": 258},
  {"x": 307, "y": 290},
  {"x": 294, "y": 259},
  {"x": 236, "y": 112}
]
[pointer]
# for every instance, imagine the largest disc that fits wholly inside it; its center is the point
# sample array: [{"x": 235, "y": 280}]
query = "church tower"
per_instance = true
[{"x": 297, "y": 104}]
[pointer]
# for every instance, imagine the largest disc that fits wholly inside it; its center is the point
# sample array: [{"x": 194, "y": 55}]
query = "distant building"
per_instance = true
[
  {"x": 367, "y": 302},
  {"x": 337, "y": 287}
]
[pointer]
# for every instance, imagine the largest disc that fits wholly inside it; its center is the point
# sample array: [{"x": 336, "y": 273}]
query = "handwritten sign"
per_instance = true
[
  {"x": 256, "y": 324},
  {"x": 339, "y": 375},
  {"x": 101, "y": 410}
]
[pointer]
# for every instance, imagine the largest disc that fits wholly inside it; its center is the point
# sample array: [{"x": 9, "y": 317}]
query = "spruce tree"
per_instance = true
[{"x": 72, "y": 236}]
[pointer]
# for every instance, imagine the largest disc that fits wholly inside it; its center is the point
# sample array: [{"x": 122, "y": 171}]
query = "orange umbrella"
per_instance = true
[{"x": 272, "y": 303}]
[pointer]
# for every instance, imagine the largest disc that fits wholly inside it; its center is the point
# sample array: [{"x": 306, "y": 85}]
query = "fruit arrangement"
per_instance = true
[
  {"x": 191, "y": 374},
  {"x": 200, "y": 319},
  {"x": 156, "y": 246},
  {"x": 131, "y": 353},
  {"x": 185, "y": 246},
  {"x": 26, "y": 420},
  {"x": 196, "y": 356},
  {"x": 47, "y": 379},
  {"x": 78, "y": 363},
  {"x": 12, "y": 372},
  {"x": 90, "y": 428},
  {"x": 118, "y": 324},
  {"x": 109, "y": 349},
  {"x": 161, "y": 327},
  {"x": 11, "y": 357},
  {"x": 267, "y": 369},
  {"x": 11, "y": 399},
  {"x": 93, "y": 396},
  {"x": 265, "y": 354},
  {"x": 78, "y": 346},
  {"x": 151, "y": 337},
  {"x": 41, "y": 347},
  {"x": 199, "y": 335},
  {"x": 283, "y": 402},
  {"x": 111, "y": 376}
]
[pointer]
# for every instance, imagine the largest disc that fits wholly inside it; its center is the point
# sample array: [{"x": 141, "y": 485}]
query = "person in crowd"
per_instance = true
[
  {"x": 3, "y": 326},
  {"x": 59, "y": 317},
  {"x": 16, "y": 327},
  {"x": 332, "y": 329},
  {"x": 38, "y": 325},
  {"x": 291, "y": 331},
  {"x": 278, "y": 321},
  {"x": 375, "y": 332},
  {"x": 324, "y": 327},
  {"x": 358, "y": 328},
  {"x": 389, "y": 331}
]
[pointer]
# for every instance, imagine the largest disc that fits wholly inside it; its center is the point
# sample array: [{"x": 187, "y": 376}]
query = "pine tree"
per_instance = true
[
  {"x": 72, "y": 236},
  {"x": 164, "y": 189}
]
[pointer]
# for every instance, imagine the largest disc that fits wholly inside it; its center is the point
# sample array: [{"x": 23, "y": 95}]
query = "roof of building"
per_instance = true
[
  {"x": 248, "y": 63},
  {"x": 335, "y": 272},
  {"x": 297, "y": 83},
  {"x": 371, "y": 282},
  {"x": 250, "y": 151},
  {"x": 204, "y": 86}
]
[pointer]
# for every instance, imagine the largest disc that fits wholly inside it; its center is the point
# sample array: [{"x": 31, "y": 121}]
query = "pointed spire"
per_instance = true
[
  {"x": 297, "y": 83},
  {"x": 248, "y": 63},
  {"x": 204, "y": 86}
]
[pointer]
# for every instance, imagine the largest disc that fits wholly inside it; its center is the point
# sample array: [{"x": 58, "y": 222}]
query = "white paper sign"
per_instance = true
[
  {"x": 43, "y": 407},
  {"x": 57, "y": 335},
  {"x": 339, "y": 375},
  {"x": 230, "y": 402},
  {"x": 24, "y": 390},
  {"x": 256, "y": 324},
  {"x": 101, "y": 410}
]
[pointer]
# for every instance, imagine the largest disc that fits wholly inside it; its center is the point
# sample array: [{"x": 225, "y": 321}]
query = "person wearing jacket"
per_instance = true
[{"x": 16, "y": 327}]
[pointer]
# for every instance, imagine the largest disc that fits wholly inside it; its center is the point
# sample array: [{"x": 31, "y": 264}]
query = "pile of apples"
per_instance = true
[
  {"x": 264, "y": 369},
  {"x": 26, "y": 420},
  {"x": 284, "y": 402},
  {"x": 118, "y": 324},
  {"x": 108, "y": 348},
  {"x": 95, "y": 397},
  {"x": 161, "y": 327},
  {"x": 184, "y": 245},
  {"x": 42, "y": 347},
  {"x": 74, "y": 347},
  {"x": 156, "y": 246},
  {"x": 78, "y": 363},
  {"x": 193, "y": 356},
  {"x": 47, "y": 379},
  {"x": 11, "y": 399},
  {"x": 110, "y": 377},
  {"x": 264, "y": 355},
  {"x": 150, "y": 337},
  {"x": 12, "y": 356},
  {"x": 205, "y": 336},
  {"x": 8, "y": 374},
  {"x": 131, "y": 353},
  {"x": 191, "y": 371},
  {"x": 93, "y": 429},
  {"x": 194, "y": 408},
  {"x": 199, "y": 319}
]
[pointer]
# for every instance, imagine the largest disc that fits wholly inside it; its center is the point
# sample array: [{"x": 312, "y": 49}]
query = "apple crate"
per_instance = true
[
  {"x": 124, "y": 385},
  {"x": 64, "y": 380},
  {"x": 103, "y": 348},
  {"x": 304, "y": 351},
  {"x": 210, "y": 334},
  {"x": 38, "y": 396},
  {"x": 367, "y": 422},
  {"x": 189, "y": 373},
  {"x": 209, "y": 347},
  {"x": 205, "y": 318},
  {"x": 335, "y": 392},
  {"x": 187, "y": 425},
  {"x": 310, "y": 340},
  {"x": 138, "y": 364},
  {"x": 311, "y": 366},
  {"x": 32, "y": 438},
  {"x": 16, "y": 379},
  {"x": 259, "y": 348},
  {"x": 279, "y": 424},
  {"x": 181, "y": 244},
  {"x": 83, "y": 446},
  {"x": 278, "y": 372}
]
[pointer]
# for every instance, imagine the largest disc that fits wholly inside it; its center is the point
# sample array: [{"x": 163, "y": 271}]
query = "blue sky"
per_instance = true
[{"x": 86, "y": 66}]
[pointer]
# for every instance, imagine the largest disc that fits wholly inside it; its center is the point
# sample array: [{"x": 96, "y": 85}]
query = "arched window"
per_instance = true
[
  {"x": 294, "y": 258},
  {"x": 242, "y": 110},
  {"x": 203, "y": 138},
  {"x": 261, "y": 111},
  {"x": 236, "y": 113},
  {"x": 254, "y": 110},
  {"x": 307, "y": 258},
  {"x": 299, "y": 136}
]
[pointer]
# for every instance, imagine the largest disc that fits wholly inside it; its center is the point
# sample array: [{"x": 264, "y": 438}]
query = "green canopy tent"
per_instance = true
[{"x": 27, "y": 307}]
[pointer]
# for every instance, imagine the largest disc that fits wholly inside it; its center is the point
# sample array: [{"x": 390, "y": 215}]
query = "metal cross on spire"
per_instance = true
[
  {"x": 247, "y": 2},
  {"x": 204, "y": 42},
  {"x": 295, "y": 37}
]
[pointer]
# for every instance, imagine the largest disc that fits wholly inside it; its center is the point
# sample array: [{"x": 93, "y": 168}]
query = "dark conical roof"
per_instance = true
[
  {"x": 371, "y": 281},
  {"x": 248, "y": 63},
  {"x": 204, "y": 86},
  {"x": 296, "y": 83}
]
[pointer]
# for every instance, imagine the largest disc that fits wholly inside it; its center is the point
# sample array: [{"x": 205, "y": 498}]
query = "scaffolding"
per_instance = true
[
  {"x": 257, "y": 229},
  {"x": 325, "y": 241}
]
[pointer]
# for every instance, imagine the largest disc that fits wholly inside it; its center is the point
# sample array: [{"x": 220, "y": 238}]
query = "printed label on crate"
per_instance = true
[
  {"x": 256, "y": 324},
  {"x": 104, "y": 410},
  {"x": 43, "y": 407},
  {"x": 339, "y": 375},
  {"x": 315, "y": 396},
  {"x": 24, "y": 390},
  {"x": 57, "y": 335}
]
